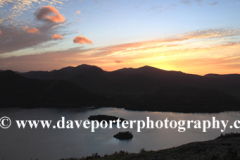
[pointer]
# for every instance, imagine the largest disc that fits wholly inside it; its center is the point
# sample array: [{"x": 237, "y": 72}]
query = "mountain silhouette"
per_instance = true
[
  {"x": 17, "y": 91},
  {"x": 63, "y": 74},
  {"x": 144, "y": 88},
  {"x": 138, "y": 81}
]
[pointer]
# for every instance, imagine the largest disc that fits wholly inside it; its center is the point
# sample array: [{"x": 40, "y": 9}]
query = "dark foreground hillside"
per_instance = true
[{"x": 219, "y": 149}]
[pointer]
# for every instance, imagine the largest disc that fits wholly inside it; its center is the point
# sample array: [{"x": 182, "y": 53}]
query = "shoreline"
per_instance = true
[{"x": 216, "y": 149}]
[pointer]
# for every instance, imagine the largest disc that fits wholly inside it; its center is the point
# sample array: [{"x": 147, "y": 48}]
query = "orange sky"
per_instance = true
[{"x": 194, "y": 36}]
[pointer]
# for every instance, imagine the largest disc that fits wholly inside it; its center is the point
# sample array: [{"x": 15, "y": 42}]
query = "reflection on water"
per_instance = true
[{"x": 24, "y": 144}]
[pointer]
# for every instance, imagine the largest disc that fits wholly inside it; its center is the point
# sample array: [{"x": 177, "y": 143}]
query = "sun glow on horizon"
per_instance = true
[{"x": 48, "y": 35}]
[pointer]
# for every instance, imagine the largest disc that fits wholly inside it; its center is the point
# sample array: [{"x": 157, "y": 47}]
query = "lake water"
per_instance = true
[{"x": 54, "y": 144}]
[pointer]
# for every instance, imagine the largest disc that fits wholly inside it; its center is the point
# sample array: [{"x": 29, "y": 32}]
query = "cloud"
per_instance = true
[
  {"x": 171, "y": 41},
  {"x": 82, "y": 40},
  {"x": 11, "y": 10},
  {"x": 189, "y": 2},
  {"x": 78, "y": 12},
  {"x": 201, "y": 55},
  {"x": 184, "y": 52},
  {"x": 0, "y": 32},
  {"x": 55, "y": 36},
  {"x": 23, "y": 32},
  {"x": 186, "y": 2},
  {"x": 25, "y": 28},
  {"x": 210, "y": 33},
  {"x": 49, "y": 14},
  {"x": 193, "y": 60},
  {"x": 204, "y": 41},
  {"x": 214, "y": 3},
  {"x": 19, "y": 37},
  {"x": 231, "y": 44},
  {"x": 44, "y": 61},
  {"x": 24, "y": 4},
  {"x": 33, "y": 30},
  {"x": 16, "y": 38},
  {"x": 118, "y": 61}
]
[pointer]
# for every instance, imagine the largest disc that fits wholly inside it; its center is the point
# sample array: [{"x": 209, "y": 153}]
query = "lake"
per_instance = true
[{"x": 54, "y": 144}]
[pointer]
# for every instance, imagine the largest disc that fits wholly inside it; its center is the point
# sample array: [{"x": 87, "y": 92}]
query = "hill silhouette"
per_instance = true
[
  {"x": 17, "y": 91},
  {"x": 140, "y": 80},
  {"x": 144, "y": 88}
]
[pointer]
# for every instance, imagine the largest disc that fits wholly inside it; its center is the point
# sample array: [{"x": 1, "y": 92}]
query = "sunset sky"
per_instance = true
[{"x": 192, "y": 36}]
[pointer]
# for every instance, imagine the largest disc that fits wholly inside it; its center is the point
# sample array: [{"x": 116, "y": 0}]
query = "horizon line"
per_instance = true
[{"x": 120, "y": 69}]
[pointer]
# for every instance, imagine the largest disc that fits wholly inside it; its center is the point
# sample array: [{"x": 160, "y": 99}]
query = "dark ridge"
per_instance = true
[
  {"x": 187, "y": 100},
  {"x": 81, "y": 69},
  {"x": 144, "y": 88},
  {"x": 63, "y": 74},
  {"x": 229, "y": 135},
  {"x": 141, "y": 80},
  {"x": 222, "y": 75},
  {"x": 10, "y": 75},
  {"x": 17, "y": 91}
]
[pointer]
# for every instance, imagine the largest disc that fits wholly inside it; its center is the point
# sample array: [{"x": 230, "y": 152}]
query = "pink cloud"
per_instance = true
[
  {"x": 49, "y": 13},
  {"x": 16, "y": 39},
  {"x": 78, "y": 12},
  {"x": 118, "y": 61},
  {"x": 82, "y": 40},
  {"x": 34, "y": 31},
  {"x": 55, "y": 36},
  {"x": 25, "y": 28}
]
